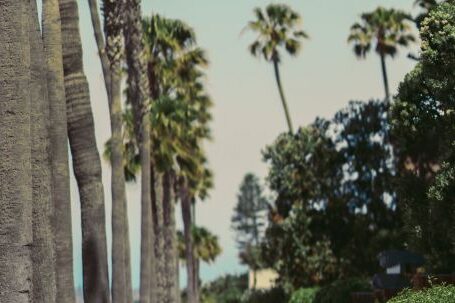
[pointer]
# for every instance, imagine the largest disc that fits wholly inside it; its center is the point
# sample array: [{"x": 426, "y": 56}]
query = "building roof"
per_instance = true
[{"x": 392, "y": 258}]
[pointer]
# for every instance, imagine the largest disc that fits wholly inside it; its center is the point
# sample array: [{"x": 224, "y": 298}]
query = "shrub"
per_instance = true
[
  {"x": 437, "y": 294},
  {"x": 227, "y": 289},
  {"x": 274, "y": 295},
  {"x": 304, "y": 295},
  {"x": 340, "y": 291}
]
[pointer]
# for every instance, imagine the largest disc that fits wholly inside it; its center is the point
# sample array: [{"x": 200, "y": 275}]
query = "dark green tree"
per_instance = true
[
  {"x": 340, "y": 173},
  {"x": 249, "y": 219},
  {"x": 423, "y": 130},
  {"x": 277, "y": 28}
]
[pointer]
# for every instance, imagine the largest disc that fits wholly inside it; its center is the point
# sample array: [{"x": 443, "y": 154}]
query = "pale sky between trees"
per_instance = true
[{"x": 247, "y": 112}]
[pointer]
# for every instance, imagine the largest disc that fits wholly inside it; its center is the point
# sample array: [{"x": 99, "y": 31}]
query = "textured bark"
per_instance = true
[
  {"x": 128, "y": 280},
  {"x": 44, "y": 283},
  {"x": 185, "y": 201},
  {"x": 113, "y": 32},
  {"x": 15, "y": 166},
  {"x": 118, "y": 197},
  {"x": 170, "y": 239},
  {"x": 158, "y": 230},
  {"x": 137, "y": 92},
  {"x": 86, "y": 160},
  {"x": 109, "y": 54},
  {"x": 52, "y": 39}
]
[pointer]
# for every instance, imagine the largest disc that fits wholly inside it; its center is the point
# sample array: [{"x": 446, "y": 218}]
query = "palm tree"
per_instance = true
[
  {"x": 206, "y": 247},
  {"x": 15, "y": 148},
  {"x": 172, "y": 54},
  {"x": 276, "y": 28},
  {"x": 86, "y": 160},
  {"x": 52, "y": 39},
  {"x": 388, "y": 29},
  {"x": 137, "y": 94},
  {"x": 43, "y": 257},
  {"x": 112, "y": 54}
]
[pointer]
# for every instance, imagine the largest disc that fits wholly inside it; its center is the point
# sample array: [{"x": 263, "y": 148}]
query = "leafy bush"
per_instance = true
[
  {"x": 437, "y": 294},
  {"x": 304, "y": 295},
  {"x": 340, "y": 291},
  {"x": 274, "y": 295},
  {"x": 227, "y": 289}
]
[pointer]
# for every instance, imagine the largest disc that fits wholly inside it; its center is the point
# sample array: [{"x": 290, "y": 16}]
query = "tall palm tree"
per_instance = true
[
  {"x": 52, "y": 39},
  {"x": 277, "y": 28},
  {"x": 387, "y": 29},
  {"x": 112, "y": 50},
  {"x": 170, "y": 46},
  {"x": 206, "y": 247},
  {"x": 137, "y": 93},
  {"x": 15, "y": 165},
  {"x": 86, "y": 160},
  {"x": 43, "y": 257},
  {"x": 110, "y": 56}
]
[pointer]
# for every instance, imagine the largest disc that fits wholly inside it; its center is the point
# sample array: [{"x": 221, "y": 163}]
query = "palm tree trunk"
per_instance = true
[
  {"x": 128, "y": 273},
  {"x": 86, "y": 160},
  {"x": 118, "y": 196},
  {"x": 158, "y": 246},
  {"x": 185, "y": 201},
  {"x": 15, "y": 150},
  {"x": 44, "y": 287},
  {"x": 121, "y": 263},
  {"x": 52, "y": 38},
  {"x": 385, "y": 78},
  {"x": 283, "y": 99},
  {"x": 170, "y": 238},
  {"x": 138, "y": 88}
]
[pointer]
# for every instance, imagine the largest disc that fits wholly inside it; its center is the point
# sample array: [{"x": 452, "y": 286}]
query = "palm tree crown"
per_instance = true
[
  {"x": 388, "y": 28},
  {"x": 276, "y": 28}
]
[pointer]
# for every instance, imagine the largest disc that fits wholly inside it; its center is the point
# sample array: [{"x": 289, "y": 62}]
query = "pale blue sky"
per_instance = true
[{"x": 247, "y": 112}]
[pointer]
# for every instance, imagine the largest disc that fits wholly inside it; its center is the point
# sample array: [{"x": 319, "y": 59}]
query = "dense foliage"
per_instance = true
[
  {"x": 339, "y": 173},
  {"x": 423, "y": 129},
  {"x": 304, "y": 295},
  {"x": 226, "y": 289},
  {"x": 340, "y": 291},
  {"x": 437, "y": 294},
  {"x": 274, "y": 295}
]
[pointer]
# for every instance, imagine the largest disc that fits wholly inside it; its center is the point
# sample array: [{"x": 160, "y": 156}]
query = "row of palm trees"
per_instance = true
[
  {"x": 158, "y": 132},
  {"x": 278, "y": 29}
]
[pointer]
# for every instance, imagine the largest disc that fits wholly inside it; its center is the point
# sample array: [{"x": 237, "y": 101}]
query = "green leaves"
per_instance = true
[
  {"x": 277, "y": 27},
  {"x": 436, "y": 294},
  {"x": 423, "y": 127},
  {"x": 386, "y": 28}
]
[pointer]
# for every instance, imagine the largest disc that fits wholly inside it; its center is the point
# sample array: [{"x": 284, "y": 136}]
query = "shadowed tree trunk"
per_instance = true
[
  {"x": 44, "y": 287},
  {"x": 185, "y": 201},
  {"x": 110, "y": 62},
  {"x": 170, "y": 238},
  {"x": 137, "y": 93},
  {"x": 52, "y": 39},
  {"x": 86, "y": 160},
  {"x": 276, "y": 69},
  {"x": 15, "y": 150}
]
